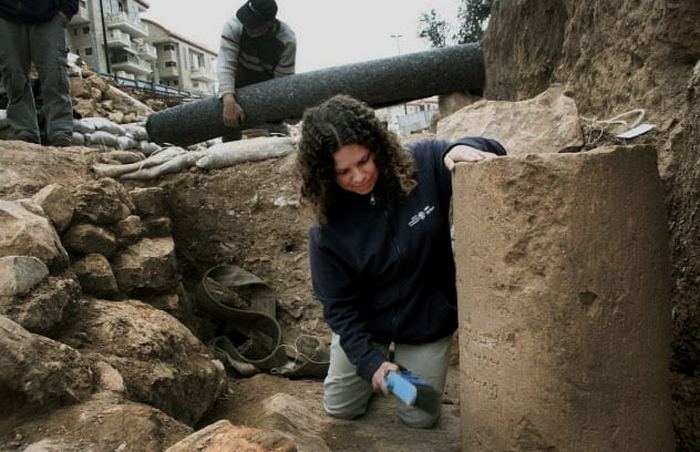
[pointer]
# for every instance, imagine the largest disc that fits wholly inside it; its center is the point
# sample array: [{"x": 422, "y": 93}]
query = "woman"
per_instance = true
[{"x": 380, "y": 253}]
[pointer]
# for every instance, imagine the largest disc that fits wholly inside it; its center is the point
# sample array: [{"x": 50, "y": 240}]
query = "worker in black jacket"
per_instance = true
[
  {"x": 35, "y": 32},
  {"x": 380, "y": 254}
]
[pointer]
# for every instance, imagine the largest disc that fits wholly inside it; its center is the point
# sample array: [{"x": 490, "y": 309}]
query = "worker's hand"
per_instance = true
[
  {"x": 464, "y": 153},
  {"x": 233, "y": 113},
  {"x": 378, "y": 377}
]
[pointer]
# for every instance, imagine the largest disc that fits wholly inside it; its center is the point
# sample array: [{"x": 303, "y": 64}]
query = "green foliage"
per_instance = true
[
  {"x": 472, "y": 18},
  {"x": 433, "y": 27}
]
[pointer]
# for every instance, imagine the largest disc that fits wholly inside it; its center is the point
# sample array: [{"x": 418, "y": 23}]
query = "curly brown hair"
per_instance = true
[{"x": 339, "y": 121}]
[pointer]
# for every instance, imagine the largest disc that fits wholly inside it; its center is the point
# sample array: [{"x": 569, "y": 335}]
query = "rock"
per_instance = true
[
  {"x": 129, "y": 229},
  {"x": 46, "y": 307},
  {"x": 78, "y": 88},
  {"x": 451, "y": 103},
  {"x": 161, "y": 361},
  {"x": 102, "y": 202},
  {"x": 148, "y": 202},
  {"x": 23, "y": 233},
  {"x": 109, "y": 378},
  {"x": 147, "y": 264},
  {"x": 224, "y": 436},
  {"x": 84, "y": 238},
  {"x": 36, "y": 371},
  {"x": 117, "y": 117},
  {"x": 95, "y": 275},
  {"x": 86, "y": 107},
  {"x": 158, "y": 227},
  {"x": 543, "y": 124},
  {"x": 19, "y": 274},
  {"x": 97, "y": 82},
  {"x": 58, "y": 203},
  {"x": 105, "y": 422}
]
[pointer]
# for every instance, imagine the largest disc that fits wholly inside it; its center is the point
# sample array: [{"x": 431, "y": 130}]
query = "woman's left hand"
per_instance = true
[{"x": 464, "y": 153}]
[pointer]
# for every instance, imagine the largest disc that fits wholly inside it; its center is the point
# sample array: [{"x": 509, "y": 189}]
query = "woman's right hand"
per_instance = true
[
  {"x": 233, "y": 113},
  {"x": 378, "y": 377}
]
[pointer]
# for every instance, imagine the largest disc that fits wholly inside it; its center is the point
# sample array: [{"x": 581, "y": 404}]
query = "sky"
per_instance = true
[{"x": 329, "y": 32}]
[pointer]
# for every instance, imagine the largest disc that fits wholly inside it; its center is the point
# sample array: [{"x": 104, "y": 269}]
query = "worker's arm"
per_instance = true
[{"x": 229, "y": 50}]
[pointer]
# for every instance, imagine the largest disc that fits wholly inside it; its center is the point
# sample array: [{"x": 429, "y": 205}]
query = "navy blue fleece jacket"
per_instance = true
[{"x": 385, "y": 271}]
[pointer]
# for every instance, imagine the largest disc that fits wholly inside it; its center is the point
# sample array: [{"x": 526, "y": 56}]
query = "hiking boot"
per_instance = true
[{"x": 61, "y": 140}]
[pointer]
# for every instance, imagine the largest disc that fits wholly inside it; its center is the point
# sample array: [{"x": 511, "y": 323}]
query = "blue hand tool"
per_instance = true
[{"x": 413, "y": 391}]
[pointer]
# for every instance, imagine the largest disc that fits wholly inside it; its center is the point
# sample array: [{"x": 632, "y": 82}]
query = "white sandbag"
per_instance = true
[
  {"x": 105, "y": 125},
  {"x": 78, "y": 139},
  {"x": 173, "y": 165},
  {"x": 82, "y": 126},
  {"x": 137, "y": 131},
  {"x": 107, "y": 170},
  {"x": 227, "y": 154},
  {"x": 149, "y": 148},
  {"x": 123, "y": 156},
  {"x": 102, "y": 138},
  {"x": 127, "y": 143}
]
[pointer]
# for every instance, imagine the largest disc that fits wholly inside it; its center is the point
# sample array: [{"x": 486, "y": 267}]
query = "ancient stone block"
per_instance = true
[
  {"x": 563, "y": 280},
  {"x": 58, "y": 204},
  {"x": 84, "y": 238}
]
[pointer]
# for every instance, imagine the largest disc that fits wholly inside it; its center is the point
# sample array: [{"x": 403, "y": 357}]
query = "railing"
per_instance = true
[
  {"x": 115, "y": 19},
  {"x": 154, "y": 88}
]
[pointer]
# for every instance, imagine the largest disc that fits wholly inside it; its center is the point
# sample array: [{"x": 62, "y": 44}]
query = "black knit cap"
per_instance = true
[{"x": 257, "y": 12}]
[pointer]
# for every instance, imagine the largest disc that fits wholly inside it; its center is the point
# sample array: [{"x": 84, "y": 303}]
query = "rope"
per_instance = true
[
  {"x": 601, "y": 127},
  {"x": 298, "y": 354}
]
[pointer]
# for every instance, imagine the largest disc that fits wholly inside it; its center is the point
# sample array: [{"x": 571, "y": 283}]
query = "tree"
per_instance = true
[
  {"x": 472, "y": 17},
  {"x": 433, "y": 27}
]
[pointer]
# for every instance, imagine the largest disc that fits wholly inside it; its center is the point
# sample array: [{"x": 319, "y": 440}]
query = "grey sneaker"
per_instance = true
[{"x": 61, "y": 140}]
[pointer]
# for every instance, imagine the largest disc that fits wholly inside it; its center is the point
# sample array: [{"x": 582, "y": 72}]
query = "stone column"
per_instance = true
[{"x": 565, "y": 322}]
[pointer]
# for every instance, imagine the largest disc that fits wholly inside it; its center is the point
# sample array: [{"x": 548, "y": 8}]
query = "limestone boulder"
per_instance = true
[
  {"x": 37, "y": 372},
  {"x": 58, "y": 203},
  {"x": 158, "y": 227},
  {"x": 161, "y": 361},
  {"x": 148, "y": 264},
  {"x": 46, "y": 307},
  {"x": 102, "y": 202},
  {"x": 84, "y": 238},
  {"x": 148, "y": 202},
  {"x": 95, "y": 275},
  {"x": 129, "y": 229},
  {"x": 223, "y": 436},
  {"x": 24, "y": 233},
  {"x": 19, "y": 274},
  {"x": 543, "y": 124},
  {"x": 105, "y": 422}
]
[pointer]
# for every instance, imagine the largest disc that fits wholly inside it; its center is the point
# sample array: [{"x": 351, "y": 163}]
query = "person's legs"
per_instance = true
[
  {"x": 345, "y": 394},
  {"x": 14, "y": 71},
  {"x": 429, "y": 362},
  {"x": 48, "y": 47}
]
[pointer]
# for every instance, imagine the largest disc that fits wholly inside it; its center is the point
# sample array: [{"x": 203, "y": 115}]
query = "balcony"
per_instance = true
[
  {"x": 82, "y": 16},
  {"x": 202, "y": 74},
  {"x": 117, "y": 39},
  {"x": 129, "y": 63},
  {"x": 170, "y": 72},
  {"x": 147, "y": 52},
  {"x": 127, "y": 24}
]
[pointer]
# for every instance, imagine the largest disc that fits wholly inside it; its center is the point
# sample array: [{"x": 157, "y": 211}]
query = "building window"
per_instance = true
[
  {"x": 75, "y": 32},
  {"x": 195, "y": 84},
  {"x": 175, "y": 82},
  {"x": 86, "y": 30},
  {"x": 170, "y": 64},
  {"x": 88, "y": 51},
  {"x": 83, "y": 3},
  {"x": 168, "y": 47}
]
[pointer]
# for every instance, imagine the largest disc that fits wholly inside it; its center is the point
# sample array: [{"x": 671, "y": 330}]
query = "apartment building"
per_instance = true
[
  {"x": 111, "y": 37},
  {"x": 113, "y": 28},
  {"x": 181, "y": 63}
]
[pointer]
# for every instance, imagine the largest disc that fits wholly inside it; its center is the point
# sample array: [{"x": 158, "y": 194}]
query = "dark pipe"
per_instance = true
[{"x": 379, "y": 83}]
